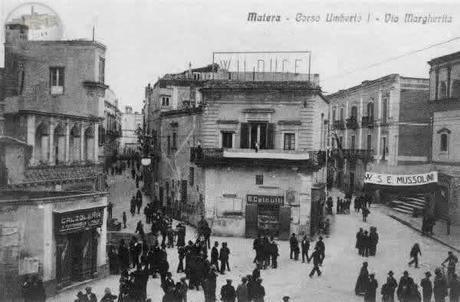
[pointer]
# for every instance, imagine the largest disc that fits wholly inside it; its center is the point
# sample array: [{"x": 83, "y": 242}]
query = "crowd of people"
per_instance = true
[{"x": 407, "y": 290}]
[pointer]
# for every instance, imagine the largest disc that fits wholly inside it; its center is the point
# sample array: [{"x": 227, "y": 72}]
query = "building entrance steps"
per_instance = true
[{"x": 410, "y": 204}]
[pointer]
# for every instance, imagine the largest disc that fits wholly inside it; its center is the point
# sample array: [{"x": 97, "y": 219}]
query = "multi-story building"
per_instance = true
[
  {"x": 382, "y": 126},
  {"x": 53, "y": 91},
  {"x": 444, "y": 103},
  {"x": 130, "y": 123},
  {"x": 110, "y": 131},
  {"x": 242, "y": 153}
]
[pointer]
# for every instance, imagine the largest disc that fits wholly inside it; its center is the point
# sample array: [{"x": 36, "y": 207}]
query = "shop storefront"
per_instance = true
[
  {"x": 77, "y": 244},
  {"x": 267, "y": 215}
]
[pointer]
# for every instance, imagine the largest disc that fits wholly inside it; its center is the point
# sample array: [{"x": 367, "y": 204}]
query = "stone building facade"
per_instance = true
[
  {"x": 444, "y": 103},
  {"x": 131, "y": 121},
  {"x": 206, "y": 132},
  {"x": 380, "y": 125}
]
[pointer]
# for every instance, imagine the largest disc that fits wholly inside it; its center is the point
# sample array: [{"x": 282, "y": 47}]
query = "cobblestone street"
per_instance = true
[{"x": 340, "y": 268}]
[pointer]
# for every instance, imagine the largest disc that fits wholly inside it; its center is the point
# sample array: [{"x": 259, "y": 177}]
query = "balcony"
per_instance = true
[
  {"x": 352, "y": 123},
  {"x": 363, "y": 154},
  {"x": 339, "y": 125},
  {"x": 368, "y": 121},
  {"x": 62, "y": 173},
  {"x": 249, "y": 157}
]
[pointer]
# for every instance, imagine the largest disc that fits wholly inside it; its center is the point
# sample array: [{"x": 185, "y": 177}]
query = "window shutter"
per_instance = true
[
  {"x": 244, "y": 136},
  {"x": 270, "y": 136}
]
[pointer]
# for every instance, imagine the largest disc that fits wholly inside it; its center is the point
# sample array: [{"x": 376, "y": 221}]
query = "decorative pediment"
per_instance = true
[{"x": 444, "y": 130}]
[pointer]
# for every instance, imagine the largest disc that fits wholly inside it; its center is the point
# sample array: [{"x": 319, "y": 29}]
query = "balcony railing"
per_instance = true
[
  {"x": 310, "y": 159},
  {"x": 339, "y": 125},
  {"x": 362, "y": 154},
  {"x": 352, "y": 123},
  {"x": 368, "y": 121}
]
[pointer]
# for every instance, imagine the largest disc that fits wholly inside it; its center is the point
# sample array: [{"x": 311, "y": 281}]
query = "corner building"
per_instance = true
[{"x": 207, "y": 158}]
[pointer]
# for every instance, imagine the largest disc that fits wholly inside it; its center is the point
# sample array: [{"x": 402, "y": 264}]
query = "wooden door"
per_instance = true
[
  {"x": 285, "y": 223},
  {"x": 251, "y": 221},
  {"x": 63, "y": 261}
]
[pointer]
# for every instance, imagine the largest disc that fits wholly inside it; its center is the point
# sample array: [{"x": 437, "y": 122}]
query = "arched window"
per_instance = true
[
  {"x": 41, "y": 148},
  {"x": 59, "y": 144},
  {"x": 444, "y": 144},
  {"x": 333, "y": 114},
  {"x": 341, "y": 114}
]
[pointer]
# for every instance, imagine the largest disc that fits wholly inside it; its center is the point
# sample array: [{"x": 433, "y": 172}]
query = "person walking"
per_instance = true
[
  {"x": 274, "y": 252},
  {"x": 373, "y": 241},
  {"x": 414, "y": 252},
  {"x": 305, "y": 245},
  {"x": 316, "y": 256},
  {"x": 242, "y": 291},
  {"x": 365, "y": 212},
  {"x": 321, "y": 248},
  {"x": 427, "y": 287},
  {"x": 359, "y": 241},
  {"x": 227, "y": 292}
]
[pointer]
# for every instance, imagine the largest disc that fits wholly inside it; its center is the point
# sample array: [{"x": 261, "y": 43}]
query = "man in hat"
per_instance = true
[
  {"x": 286, "y": 299},
  {"x": 371, "y": 289},
  {"x": 454, "y": 285},
  {"x": 427, "y": 287},
  {"x": 90, "y": 297},
  {"x": 242, "y": 290},
  {"x": 404, "y": 289},
  {"x": 439, "y": 286},
  {"x": 227, "y": 292},
  {"x": 316, "y": 256},
  {"x": 321, "y": 248},
  {"x": 392, "y": 284}
]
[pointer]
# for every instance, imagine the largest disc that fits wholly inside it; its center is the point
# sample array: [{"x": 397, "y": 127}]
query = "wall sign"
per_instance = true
[
  {"x": 265, "y": 199},
  {"x": 401, "y": 179},
  {"x": 79, "y": 220}
]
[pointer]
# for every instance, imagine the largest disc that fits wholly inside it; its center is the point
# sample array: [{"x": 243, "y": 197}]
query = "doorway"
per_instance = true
[{"x": 76, "y": 261}]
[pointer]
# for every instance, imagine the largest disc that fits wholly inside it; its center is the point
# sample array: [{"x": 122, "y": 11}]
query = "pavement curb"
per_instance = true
[{"x": 419, "y": 231}]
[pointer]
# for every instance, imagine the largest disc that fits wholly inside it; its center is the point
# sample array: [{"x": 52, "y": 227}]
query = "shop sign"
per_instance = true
[
  {"x": 400, "y": 179},
  {"x": 265, "y": 199},
  {"x": 75, "y": 221}
]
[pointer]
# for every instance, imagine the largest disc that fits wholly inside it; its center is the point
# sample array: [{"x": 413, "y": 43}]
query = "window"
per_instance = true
[
  {"x": 169, "y": 144},
  {"x": 191, "y": 176},
  {"x": 56, "y": 80},
  {"x": 384, "y": 111},
  {"x": 174, "y": 141},
  {"x": 259, "y": 179},
  {"x": 165, "y": 101},
  {"x": 260, "y": 133},
  {"x": 369, "y": 142},
  {"x": 21, "y": 75},
  {"x": 341, "y": 114},
  {"x": 227, "y": 139},
  {"x": 353, "y": 140},
  {"x": 333, "y": 114},
  {"x": 101, "y": 69},
  {"x": 289, "y": 141},
  {"x": 370, "y": 111},
  {"x": 341, "y": 141},
  {"x": 354, "y": 112},
  {"x": 443, "y": 90},
  {"x": 444, "y": 143}
]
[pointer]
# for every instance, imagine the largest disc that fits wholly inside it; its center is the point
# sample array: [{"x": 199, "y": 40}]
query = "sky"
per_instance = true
[{"x": 146, "y": 39}]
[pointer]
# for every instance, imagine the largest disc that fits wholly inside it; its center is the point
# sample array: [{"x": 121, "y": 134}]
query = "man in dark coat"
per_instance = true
[
  {"x": 321, "y": 248},
  {"x": 373, "y": 240},
  {"x": 294, "y": 246},
  {"x": 181, "y": 253},
  {"x": 215, "y": 254},
  {"x": 258, "y": 291},
  {"x": 305, "y": 245},
  {"x": 123, "y": 256},
  {"x": 359, "y": 241},
  {"x": 223, "y": 257},
  {"x": 427, "y": 287},
  {"x": 274, "y": 253},
  {"x": 257, "y": 246},
  {"x": 227, "y": 292},
  {"x": 454, "y": 292},
  {"x": 371, "y": 289},
  {"x": 316, "y": 256},
  {"x": 404, "y": 289},
  {"x": 90, "y": 296},
  {"x": 366, "y": 242},
  {"x": 439, "y": 286}
]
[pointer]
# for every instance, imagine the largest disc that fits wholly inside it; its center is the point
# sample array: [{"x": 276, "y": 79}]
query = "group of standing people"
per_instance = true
[
  {"x": 366, "y": 242},
  {"x": 266, "y": 252}
]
